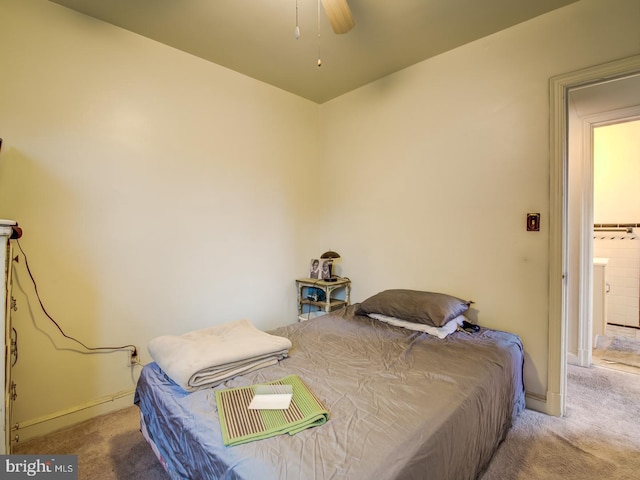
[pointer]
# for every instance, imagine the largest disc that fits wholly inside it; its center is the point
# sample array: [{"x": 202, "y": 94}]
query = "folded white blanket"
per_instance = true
[{"x": 204, "y": 358}]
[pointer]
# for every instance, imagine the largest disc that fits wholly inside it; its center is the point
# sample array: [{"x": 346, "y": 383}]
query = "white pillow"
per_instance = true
[{"x": 440, "y": 332}]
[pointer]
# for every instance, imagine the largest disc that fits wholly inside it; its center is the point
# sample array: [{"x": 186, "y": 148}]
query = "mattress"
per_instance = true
[{"x": 402, "y": 405}]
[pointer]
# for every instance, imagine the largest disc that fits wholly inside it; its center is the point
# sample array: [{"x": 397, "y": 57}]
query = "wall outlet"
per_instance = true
[{"x": 133, "y": 357}]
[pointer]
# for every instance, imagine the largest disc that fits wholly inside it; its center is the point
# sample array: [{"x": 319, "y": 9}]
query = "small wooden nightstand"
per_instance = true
[{"x": 329, "y": 288}]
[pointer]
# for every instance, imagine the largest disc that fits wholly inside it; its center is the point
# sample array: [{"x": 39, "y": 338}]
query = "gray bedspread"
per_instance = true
[{"x": 403, "y": 405}]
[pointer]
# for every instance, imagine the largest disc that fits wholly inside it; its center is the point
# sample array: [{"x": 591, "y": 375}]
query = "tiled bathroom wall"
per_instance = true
[{"x": 622, "y": 275}]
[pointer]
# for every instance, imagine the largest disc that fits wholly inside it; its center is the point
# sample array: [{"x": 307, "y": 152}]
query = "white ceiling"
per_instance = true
[{"x": 256, "y": 37}]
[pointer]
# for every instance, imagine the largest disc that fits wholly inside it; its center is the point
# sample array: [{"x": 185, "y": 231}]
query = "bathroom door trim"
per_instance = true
[
  {"x": 585, "y": 308},
  {"x": 585, "y": 294}
]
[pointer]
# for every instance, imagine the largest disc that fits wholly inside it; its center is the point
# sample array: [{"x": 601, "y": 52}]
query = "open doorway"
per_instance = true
[
  {"x": 571, "y": 213},
  {"x": 616, "y": 245},
  {"x": 592, "y": 112}
]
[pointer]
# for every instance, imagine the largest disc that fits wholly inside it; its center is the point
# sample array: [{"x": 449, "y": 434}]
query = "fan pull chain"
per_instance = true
[
  {"x": 297, "y": 24},
  {"x": 319, "y": 58}
]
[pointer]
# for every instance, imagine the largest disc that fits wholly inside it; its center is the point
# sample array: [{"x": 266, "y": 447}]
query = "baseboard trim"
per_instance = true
[
  {"x": 535, "y": 402},
  {"x": 573, "y": 359},
  {"x": 37, "y": 427},
  {"x": 551, "y": 405}
]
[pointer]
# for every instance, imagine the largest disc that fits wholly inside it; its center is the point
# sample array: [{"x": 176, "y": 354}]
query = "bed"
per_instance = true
[{"x": 403, "y": 404}]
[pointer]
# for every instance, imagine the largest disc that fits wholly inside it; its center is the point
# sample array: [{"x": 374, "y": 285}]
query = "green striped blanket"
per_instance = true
[{"x": 241, "y": 425}]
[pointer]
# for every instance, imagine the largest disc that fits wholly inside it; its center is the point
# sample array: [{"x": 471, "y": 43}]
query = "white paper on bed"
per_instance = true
[
  {"x": 204, "y": 358},
  {"x": 440, "y": 332},
  {"x": 271, "y": 397}
]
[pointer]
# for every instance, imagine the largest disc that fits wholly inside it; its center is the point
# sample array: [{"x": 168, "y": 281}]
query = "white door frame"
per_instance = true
[
  {"x": 558, "y": 221},
  {"x": 585, "y": 309}
]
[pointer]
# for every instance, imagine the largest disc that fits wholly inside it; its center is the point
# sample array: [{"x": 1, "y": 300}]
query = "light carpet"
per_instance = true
[
  {"x": 618, "y": 349},
  {"x": 599, "y": 438}
]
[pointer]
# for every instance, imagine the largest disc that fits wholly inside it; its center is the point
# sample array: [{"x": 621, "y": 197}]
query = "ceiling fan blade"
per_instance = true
[{"x": 339, "y": 15}]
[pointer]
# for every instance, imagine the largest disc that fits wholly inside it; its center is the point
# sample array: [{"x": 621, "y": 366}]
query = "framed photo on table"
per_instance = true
[
  {"x": 314, "y": 268},
  {"x": 326, "y": 268}
]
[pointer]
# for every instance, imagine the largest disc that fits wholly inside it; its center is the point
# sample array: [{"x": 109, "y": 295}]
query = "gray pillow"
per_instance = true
[{"x": 435, "y": 309}]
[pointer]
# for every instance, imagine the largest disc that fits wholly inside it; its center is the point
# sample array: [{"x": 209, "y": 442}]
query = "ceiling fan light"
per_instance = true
[{"x": 339, "y": 15}]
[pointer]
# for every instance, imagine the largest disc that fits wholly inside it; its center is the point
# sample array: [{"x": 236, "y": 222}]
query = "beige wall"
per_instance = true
[
  {"x": 441, "y": 162},
  {"x": 616, "y": 170},
  {"x": 160, "y": 193}
]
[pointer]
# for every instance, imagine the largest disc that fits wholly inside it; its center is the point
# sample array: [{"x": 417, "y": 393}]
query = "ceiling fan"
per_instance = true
[{"x": 339, "y": 15}]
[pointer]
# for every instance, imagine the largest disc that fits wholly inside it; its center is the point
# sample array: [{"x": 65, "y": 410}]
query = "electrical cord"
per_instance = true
[
  {"x": 14, "y": 344},
  {"x": 308, "y": 293},
  {"x": 337, "y": 277},
  {"x": 132, "y": 348}
]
